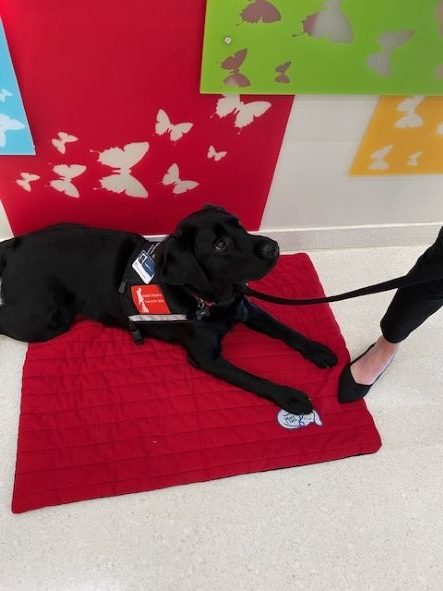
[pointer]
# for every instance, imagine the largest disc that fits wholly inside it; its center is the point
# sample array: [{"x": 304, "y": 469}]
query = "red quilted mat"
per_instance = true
[{"x": 101, "y": 416}]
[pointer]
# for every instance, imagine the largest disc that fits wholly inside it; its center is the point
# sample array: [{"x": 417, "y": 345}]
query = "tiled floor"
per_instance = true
[{"x": 366, "y": 523}]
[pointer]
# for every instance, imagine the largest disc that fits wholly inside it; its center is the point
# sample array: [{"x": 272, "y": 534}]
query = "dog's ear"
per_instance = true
[
  {"x": 215, "y": 207},
  {"x": 178, "y": 265}
]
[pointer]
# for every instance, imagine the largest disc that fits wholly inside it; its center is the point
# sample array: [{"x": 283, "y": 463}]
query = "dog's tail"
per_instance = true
[{"x": 5, "y": 247}]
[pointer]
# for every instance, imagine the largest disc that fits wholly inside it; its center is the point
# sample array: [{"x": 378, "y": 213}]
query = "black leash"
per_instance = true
[{"x": 431, "y": 273}]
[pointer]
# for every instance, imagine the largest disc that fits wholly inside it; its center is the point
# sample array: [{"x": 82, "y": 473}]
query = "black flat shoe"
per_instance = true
[{"x": 349, "y": 390}]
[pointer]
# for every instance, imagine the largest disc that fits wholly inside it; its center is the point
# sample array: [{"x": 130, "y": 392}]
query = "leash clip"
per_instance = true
[{"x": 202, "y": 310}]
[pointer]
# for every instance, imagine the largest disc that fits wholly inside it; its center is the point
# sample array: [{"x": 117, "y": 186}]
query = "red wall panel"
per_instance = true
[{"x": 101, "y": 70}]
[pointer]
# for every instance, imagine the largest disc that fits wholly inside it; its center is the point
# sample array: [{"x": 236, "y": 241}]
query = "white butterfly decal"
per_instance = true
[
  {"x": 408, "y": 106},
  {"x": 172, "y": 177},
  {"x": 67, "y": 172},
  {"x": 8, "y": 124},
  {"x": 212, "y": 153},
  {"x": 176, "y": 131},
  {"x": 4, "y": 94},
  {"x": 26, "y": 179},
  {"x": 122, "y": 160},
  {"x": 413, "y": 158},
  {"x": 378, "y": 157},
  {"x": 245, "y": 113},
  {"x": 60, "y": 142}
]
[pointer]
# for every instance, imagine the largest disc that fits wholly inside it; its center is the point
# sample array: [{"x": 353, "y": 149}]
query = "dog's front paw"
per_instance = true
[
  {"x": 319, "y": 354},
  {"x": 293, "y": 401}
]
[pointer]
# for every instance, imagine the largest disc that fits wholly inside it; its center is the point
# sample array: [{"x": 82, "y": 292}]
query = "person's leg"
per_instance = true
[
  {"x": 374, "y": 362},
  {"x": 409, "y": 308}
]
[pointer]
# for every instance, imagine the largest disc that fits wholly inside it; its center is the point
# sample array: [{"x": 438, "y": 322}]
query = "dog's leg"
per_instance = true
[
  {"x": 261, "y": 321},
  {"x": 210, "y": 361},
  {"x": 31, "y": 325}
]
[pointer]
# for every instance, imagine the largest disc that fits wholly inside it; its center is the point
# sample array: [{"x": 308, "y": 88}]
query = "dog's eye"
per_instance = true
[{"x": 221, "y": 245}]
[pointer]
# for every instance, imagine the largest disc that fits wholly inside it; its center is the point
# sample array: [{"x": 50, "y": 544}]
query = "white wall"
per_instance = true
[{"x": 312, "y": 189}]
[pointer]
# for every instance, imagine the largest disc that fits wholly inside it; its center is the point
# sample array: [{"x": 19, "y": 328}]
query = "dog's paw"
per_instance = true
[
  {"x": 320, "y": 355},
  {"x": 293, "y": 401}
]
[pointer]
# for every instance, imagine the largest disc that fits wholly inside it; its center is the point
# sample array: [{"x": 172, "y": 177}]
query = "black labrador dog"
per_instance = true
[{"x": 51, "y": 276}]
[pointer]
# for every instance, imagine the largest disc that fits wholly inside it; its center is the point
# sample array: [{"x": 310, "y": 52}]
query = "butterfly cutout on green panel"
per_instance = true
[{"x": 323, "y": 46}]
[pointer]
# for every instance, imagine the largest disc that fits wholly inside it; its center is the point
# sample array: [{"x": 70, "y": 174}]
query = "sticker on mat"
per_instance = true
[{"x": 290, "y": 421}]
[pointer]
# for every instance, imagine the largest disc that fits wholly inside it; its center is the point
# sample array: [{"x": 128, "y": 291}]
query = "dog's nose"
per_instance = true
[{"x": 270, "y": 249}]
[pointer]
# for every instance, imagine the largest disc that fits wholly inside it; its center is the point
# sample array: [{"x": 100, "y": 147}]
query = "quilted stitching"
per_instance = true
[{"x": 101, "y": 416}]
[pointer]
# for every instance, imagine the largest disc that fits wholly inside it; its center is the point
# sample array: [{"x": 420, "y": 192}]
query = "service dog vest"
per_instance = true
[{"x": 144, "y": 301}]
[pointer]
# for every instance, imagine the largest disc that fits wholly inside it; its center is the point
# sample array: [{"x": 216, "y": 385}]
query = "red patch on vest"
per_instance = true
[{"x": 149, "y": 299}]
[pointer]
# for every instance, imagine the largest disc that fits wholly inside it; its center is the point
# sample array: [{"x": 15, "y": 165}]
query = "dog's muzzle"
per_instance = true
[{"x": 269, "y": 249}]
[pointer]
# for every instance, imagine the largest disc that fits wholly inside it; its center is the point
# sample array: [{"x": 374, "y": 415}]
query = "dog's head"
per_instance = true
[{"x": 211, "y": 254}]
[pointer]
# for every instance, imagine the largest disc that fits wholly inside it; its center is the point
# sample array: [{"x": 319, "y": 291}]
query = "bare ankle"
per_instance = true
[
  {"x": 371, "y": 365},
  {"x": 387, "y": 347}
]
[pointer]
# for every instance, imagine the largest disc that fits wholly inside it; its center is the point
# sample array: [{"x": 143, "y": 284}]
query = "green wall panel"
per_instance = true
[{"x": 323, "y": 46}]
